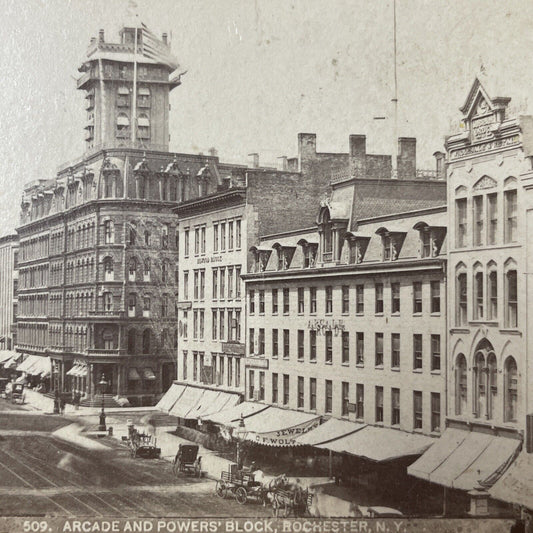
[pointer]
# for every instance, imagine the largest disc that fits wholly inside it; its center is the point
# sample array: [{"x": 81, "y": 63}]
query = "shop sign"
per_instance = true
[
  {"x": 321, "y": 325},
  {"x": 211, "y": 259},
  {"x": 485, "y": 147},
  {"x": 233, "y": 348},
  {"x": 256, "y": 362},
  {"x": 283, "y": 437}
]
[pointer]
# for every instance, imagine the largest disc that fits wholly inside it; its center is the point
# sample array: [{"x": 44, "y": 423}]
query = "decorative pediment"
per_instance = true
[
  {"x": 109, "y": 166},
  {"x": 173, "y": 168},
  {"x": 205, "y": 171},
  {"x": 484, "y": 183},
  {"x": 461, "y": 190}
]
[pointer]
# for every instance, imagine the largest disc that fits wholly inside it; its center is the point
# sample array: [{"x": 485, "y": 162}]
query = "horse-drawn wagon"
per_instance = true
[{"x": 187, "y": 460}]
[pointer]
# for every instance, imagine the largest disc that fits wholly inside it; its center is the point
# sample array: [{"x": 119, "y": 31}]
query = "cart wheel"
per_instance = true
[
  {"x": 240, "y": 495},
  {"x": 221, "y": 490}
]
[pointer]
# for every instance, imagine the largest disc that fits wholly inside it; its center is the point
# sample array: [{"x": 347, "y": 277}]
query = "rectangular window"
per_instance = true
[
  {"x": 312, "y": 394},
  {"x": 417, "y": 351},
  {"x": 251, "y": 306},
  {"x": 379, "y": 349},
  {"x": 185, "y": 364},
  {"x": 215, "y": 283},
  {"x": 261, "y": 341},
  {"x": 345, "y": 299},
  {"x": 492, "y": 217},
  {"x": 417, "y": 297},
  {"x": 221, "y": 322},
  {"x": 230, "y": 283},
  {"x": 223, "y": 237},
  {"x": 435, "y": 411},
  {"x": 395, "y": 297},
  {"x": 300, "y": 392},
  {"x": 274, "y": 387},
  {"x": 237, "y": 234},
  {"x": 274, "y": 301},
  {"x": 328, "y": 346},
  {"x": 345, "y": 391},
  {"x": 202, "y": 324},
  {"x": 478, "y": 295},
  {"x": 359, "y": 299},
  {"x": 238, "y": 325},
  {"x": 360, "y": 401},
  {"x": 286, "y": 301},
  {"x": 395, "y": 350},
  {"x": 185, "y": 328},
  {"x": 462, "y": 300},
  {"x": 512, "y": 299},
  {"x": 425, "y": 242},
  {"x": 379, "y": 404},
  {"x": 251, "y": 341},
  {"x": 186, "y": 285},
  {"x": 251, "y": 383},
  {"x": 345, "y": 347},
  {"x": 286, "y": 345},
  {"x": 395, "y": 407},
  {"x": 360, "y": 348},
  {"x": 215, "y": 237},
  {"x": 261, "y": 302},
  {"x": 186, "y": 243},
  {"x": 214, "y": 324},
  {"x": 285, "y": 389},
  {"x": 222, "y": 272},
  {"x": 312, "y": 304},
  {"x": 275, "y": 347},
  {"x": 195, "y": 325},
  {"x": 461, "y": 223},
  {"x": 417, "y": 409},
  {"x": 202, "y": 284},
  {"x": 479, "y": 219},
  {"x": 202, "y": 240},
  {"x": 510, "y": 215},
  {"x": 196, "y": 241},
  {"x": 435, "y": 296},
  {"x": 329, "y": 396},
  {"x": 329, "y": 299},
  {"x": 237, "y": 282},
  {"x": 301, "y": 344},
  {"x": 493, "y": 295},
  {"x": 196, "y": 284},
  {"x": 230, "y": 235},
  {"x": 379, "y": 297},
  {"x": 312, "y": 345},
  {"x": 435, "y": 352},
  {"x": 301, "y": 301},
  {"x": 261, "y": 386}
]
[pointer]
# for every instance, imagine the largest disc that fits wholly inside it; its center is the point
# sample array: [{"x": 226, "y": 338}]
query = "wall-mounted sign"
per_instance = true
[
  {"x": 212, "y": 259},
  {"x": 321, "y": 325},
  {"x": 485, "y": 147},
  {"x": 256, "y": 362},
  {"x": 233, "y": 348}
]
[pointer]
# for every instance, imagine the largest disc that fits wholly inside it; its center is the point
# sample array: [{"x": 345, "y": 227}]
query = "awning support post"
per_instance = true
[
  {"x": 445, "y": 501},
  {"x": 330, "y": 464}
]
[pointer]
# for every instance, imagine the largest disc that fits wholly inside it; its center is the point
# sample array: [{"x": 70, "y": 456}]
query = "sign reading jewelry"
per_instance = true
[{"x": 321, "y": 325}]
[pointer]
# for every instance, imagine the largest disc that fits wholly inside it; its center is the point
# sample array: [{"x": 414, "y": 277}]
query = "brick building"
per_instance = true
[{"x": 8, "y": 290}]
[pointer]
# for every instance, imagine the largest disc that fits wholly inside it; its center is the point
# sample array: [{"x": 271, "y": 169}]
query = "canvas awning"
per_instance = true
[
  {"x": 133, "y": 374},
  {"x": 36, "y": 365},
  {"x": 73, "y": 371},
  {"x": 7, "y": 354},
  {"x": 148, "y": 373},
  {"x": 170, "y": 397},
  {"x": 123, "y": 90},
  {"x": 123, "y": 121},
  {"x": 226, "y": 400},
  {"x": 144, "y": 91},
  {"x": 379, "y": 444},
  {"x": 213, "y": 401},
  {"x": 143, "y": 121},
  {"x": 461, "y": 459},
  {"x": 12, "y": 361},
  {"x": 330, "y": 430},
  {"x": 233, "y": 414},
  {"x": 186, "y": 401},
  {"x": 516, "y": 484}
]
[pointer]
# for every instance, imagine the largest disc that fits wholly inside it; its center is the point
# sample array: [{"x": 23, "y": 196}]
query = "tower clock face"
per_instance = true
[{"x": 482, "y": 107}]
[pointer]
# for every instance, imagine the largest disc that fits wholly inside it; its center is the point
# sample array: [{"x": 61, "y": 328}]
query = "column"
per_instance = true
[{"x": 119, "y": 379}]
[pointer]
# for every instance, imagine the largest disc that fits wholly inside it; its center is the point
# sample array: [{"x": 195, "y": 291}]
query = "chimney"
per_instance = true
[
  {"x": 282, "y": 163},
  {"x": 213, "y": 152},
  {"x": 253, "y": 160},
  {"x": 101, "y": 36},
  {"x": 93, "y": 40},
  {"x": 165, "y": 40},
  {"x": 357, "y": 156},
  {"x": 439, "y": 164},
  {"x": 406, "y": 158}
]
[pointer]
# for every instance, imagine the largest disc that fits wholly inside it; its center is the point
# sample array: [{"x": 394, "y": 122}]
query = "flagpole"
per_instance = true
[
  {"x": 134, "y": 100},
  {"x": 395, "y": 102}
]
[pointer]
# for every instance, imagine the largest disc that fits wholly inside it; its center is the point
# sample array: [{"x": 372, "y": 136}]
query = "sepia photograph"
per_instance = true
[{"x": 264, "y": 266}]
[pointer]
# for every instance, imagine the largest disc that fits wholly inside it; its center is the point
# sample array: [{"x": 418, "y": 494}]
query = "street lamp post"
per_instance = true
[
  {"x": 103, "y": 385},
  {"x": 240, "y": 433}
]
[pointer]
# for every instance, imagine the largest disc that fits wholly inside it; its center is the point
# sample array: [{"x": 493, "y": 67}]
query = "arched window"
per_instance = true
[
  {"x": 478, "y": 293},
  {"x": 107, "y": 337},
  {"x": 461, "y": 296},
  {"x": 479, "y": 390},
  {"x": 493, "y": 385},
  {"x": 123, "y": 126},
  {"x": 132, "y": 334},
  {"x": 132, "y": 234},
  {"x": 108, "y": 301},
  {"x": 143, "y": 97},
  {"x": 461, "y": 387},
  {"x": 492, "y": 292},
  {"x": 132, "y": 271},
  {"x": 511, "y": 390},
  {"x": 143, "y": 126},
  {"x": 109, "y": 274},
  {"x": 328, "y": 238},
  {"x": 109, "y": 232},
  {"x": 132, "y": 305},
  {"x": 164, "y": 272},
  {"x": 511, "y": 299},
  {"x": 147, "y": 269},
  {"x": 146, "y": 341}
]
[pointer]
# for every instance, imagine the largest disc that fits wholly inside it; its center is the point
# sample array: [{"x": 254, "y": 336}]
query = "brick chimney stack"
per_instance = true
[
  {"x": 357, "y": 156},
  {"x": 101, "y": 36},
  {"x": 253, "y": 160},
  {"x": 406, "y": 158},
  {"x": 439, "y": 164},
  {"x": 282, "y": 163}
]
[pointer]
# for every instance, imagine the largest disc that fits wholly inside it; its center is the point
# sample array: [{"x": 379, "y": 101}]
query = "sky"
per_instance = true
[{"x": 261, "y": 71}]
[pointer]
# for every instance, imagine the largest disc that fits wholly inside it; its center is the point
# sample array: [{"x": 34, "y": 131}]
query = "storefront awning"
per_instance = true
[
  {"x": 461, "y": 459},
  {"x": 7, "y": 354},
  {"x": 170, "y": 397},
  {"x": 379, "y": 444},
  {"x": 233, "y": 414},
  {"x": 330, "y": 430},
  {"x": 187, "y": 400},
  {"x": 36, "y": 365},
  {"x": 516, "y": 484},
  {"x": 225, "y": 400},
  {"x": 276, "y": 427},
  {"x": 73, "y": 371},
  {"x": 148, "y": 373},
  {"x": 12, "y": 361},
  {"x": 133, "y": 375}
]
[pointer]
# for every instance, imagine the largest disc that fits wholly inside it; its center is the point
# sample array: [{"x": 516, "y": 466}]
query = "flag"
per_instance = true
[{"x": 155, "y": 49}]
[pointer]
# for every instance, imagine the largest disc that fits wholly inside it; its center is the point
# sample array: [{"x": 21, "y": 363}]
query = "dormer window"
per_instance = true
[
  {"x": 357, "y": 247},
  {"x": 431, "y": 239},
  {"x": 391, "y": 243},
  {"x": 261, "y": 257},
  {"x": 331, "y": 231},
  {"x": 309, "y": 250},
  {"x": 285, "y": 254}
]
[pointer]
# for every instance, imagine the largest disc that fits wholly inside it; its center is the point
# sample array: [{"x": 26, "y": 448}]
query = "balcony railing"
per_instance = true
[
  {"x": 103, "y": 352},
  {"x": 108, "y": 314}
]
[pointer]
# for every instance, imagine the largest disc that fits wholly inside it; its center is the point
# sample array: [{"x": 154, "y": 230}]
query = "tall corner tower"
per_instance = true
[{"x": 127, "y": 86}]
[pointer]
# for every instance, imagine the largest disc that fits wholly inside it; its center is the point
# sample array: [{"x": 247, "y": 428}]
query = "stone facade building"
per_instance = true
[{"x": 8, "y": 290}]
